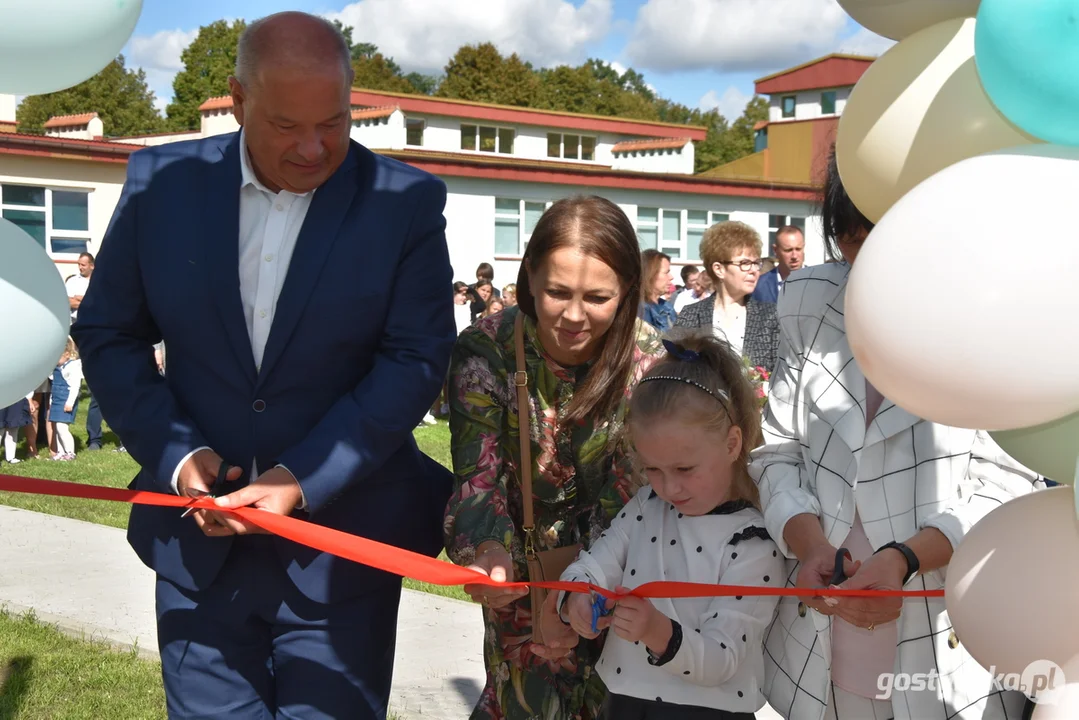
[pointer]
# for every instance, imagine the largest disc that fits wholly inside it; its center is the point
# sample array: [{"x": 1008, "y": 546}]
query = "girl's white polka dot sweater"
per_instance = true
[{"x": 715, "y": 657}]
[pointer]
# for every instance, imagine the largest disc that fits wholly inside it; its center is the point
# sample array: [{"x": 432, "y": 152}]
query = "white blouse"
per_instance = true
[
  {"x": 717, "y": 659},
  {"x": 733, "y": 331},
  {"x": 72, "y": 374}
]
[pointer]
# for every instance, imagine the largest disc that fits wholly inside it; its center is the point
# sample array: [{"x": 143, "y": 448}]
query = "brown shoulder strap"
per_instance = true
[{"x": 520, "y": 379}]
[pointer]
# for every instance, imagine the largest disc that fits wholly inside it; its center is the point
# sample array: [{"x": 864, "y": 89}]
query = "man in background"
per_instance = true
[
  {"x": 790, "y": 252},
  {"x": 76, "y": 289}
]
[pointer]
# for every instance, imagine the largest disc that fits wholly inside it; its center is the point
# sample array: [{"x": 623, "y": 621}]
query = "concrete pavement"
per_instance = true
[{"x": 85, "y": 579}]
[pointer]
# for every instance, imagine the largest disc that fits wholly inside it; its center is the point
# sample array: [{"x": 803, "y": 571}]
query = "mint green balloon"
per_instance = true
[
  {"x": 1027, "y": 55},
  {"x": 50, "y": 45},
  {"x": 1051, "y": 449}
]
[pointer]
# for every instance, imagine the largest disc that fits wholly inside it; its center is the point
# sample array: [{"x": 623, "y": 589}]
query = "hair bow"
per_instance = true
[{"x": 680, "y": 352}]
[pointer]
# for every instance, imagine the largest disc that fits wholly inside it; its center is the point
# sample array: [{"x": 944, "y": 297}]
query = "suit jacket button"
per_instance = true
[
  {"x": 801, "y": 609},
  {"x": 258, "y": 405},
  {"x": 953, "y": 640}
]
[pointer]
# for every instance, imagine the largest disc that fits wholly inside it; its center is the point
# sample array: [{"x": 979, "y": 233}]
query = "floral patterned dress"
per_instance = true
[{"x": 579, "y": 483}]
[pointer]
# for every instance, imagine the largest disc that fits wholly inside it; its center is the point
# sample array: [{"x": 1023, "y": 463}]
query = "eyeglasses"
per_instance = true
[{"x": 746, "y": 265}]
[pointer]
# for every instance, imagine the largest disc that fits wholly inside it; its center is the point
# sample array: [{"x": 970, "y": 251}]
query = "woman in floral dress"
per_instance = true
[{"x": 579, "y": 289}]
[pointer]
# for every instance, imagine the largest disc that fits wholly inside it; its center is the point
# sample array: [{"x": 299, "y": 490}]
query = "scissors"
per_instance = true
[
  {"x": 215, "y": 489},
  {"x": 599, "y": 609},
  {"x": 838, "y": 576}
]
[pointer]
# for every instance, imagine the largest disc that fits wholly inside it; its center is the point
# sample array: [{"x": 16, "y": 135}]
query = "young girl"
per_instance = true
[
  {"x": 66, "y": 381},
  {"x": 693, "y": 421},
  {"x": 12, "y": 418}
]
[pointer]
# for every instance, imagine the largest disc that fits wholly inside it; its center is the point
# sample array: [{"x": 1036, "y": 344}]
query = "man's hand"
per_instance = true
[
  {"x": 637, "y": 619},
  {"x": 275, "y": 491},
  {"x": 196, "y": 479}
]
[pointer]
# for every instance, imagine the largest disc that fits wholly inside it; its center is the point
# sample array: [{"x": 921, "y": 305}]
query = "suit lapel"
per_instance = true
[
  {"x": 838, "y": 393},
  {"x": 327, "y": 211},
  {"x": 221, "y": 250}
]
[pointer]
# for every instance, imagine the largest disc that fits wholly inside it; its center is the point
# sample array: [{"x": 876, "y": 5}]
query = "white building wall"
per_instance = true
[
  {"x": 104, "y": 181},
  {"x": 91, "y": 130},
  {"x": 163, "y": 139},
  {"x": 386, "y": 133},
  {"x": 675, "y": 161},
  {"x": 807, "y": 104},
  {"x": 218, "y": 122},
  {"x": 470, "y": 218},
  {"x": 7, "y": 109}
]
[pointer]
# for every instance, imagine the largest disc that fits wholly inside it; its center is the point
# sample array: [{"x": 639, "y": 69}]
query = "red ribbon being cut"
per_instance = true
[{"x": 403, "y": 562}]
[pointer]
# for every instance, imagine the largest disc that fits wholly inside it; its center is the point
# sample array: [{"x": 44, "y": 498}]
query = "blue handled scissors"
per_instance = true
[
  {"x": 215, "y": 489},
  {"x": 599, "y": 609},
  {"x": 838, "y": 576}
]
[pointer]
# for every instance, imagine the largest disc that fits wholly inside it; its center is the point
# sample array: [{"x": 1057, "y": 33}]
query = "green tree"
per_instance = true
[
  {"x": 741, "y": 134},
  {"x": 208, "y": 62},
  {"x": 423, "y": 84},
  {"x": 119, "y": 96},
  {"x": 380, "y": 73},
  {"x": 480, "y": 73}
]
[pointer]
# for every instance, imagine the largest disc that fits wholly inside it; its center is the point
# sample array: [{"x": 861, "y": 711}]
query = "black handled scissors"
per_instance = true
[
  {"x": 838, "y": 576},
  {"x": 215, "y": 490}
]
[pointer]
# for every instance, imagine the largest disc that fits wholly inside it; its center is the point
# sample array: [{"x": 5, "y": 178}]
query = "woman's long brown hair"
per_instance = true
[{"x": 601, "y": 230}]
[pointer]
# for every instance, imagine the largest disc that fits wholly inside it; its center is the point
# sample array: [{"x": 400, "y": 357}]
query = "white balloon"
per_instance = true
[
  {"x": 896, "y": 19},
  {"x": 50, "y": 45},
  {"x": 961, "y": 304},
  {"x": 36, "y": 317}
]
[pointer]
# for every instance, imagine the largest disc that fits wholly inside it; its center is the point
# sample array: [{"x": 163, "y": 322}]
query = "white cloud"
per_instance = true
[
  {"x": 731, "y": 104},
  {"x": 733, "y": 35},
  {"x": 865, "y": 42},
  {"x": 422, "y": 35},
  {"x": 159, "y": 55}
]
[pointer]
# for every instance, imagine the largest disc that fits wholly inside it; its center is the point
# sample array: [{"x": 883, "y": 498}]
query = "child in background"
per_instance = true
[
  {"x": 66, "y": 381},
  {"x": 509, "y": 295},
  {"x": 12, "y": 418},
  {"x": 462, "y": 313},
  {"x": 494, "y": 305},
  {"x": 693, "y": 421}
]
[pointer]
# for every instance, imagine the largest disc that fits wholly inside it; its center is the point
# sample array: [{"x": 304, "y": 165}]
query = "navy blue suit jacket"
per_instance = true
[
  {"x": 358, "y": 350},
  {"x": 767, "y": 290}
]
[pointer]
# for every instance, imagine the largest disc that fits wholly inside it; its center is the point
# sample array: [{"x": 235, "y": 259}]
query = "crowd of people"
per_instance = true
[{"x": 604, "y": 427}]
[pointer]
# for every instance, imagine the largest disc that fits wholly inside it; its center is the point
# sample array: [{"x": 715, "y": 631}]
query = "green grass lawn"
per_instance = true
[
  {"x": 109, "y": 468},
  {"x": 44, "y": 674}
]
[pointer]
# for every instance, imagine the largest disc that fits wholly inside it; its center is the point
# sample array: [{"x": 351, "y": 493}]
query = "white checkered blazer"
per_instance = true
[{"x": 903, "y": 473}]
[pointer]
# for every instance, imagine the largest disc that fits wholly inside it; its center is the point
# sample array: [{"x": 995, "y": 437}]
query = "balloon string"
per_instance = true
[{"x": 405, "y": 563}]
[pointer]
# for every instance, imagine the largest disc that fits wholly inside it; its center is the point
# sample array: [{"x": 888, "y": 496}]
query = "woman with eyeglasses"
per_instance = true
[{"x": 731, "y": 252}]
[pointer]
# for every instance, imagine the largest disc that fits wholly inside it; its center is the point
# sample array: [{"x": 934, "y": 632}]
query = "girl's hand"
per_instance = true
[
  {"x": 883, "y": 571},
  {"x": 636, "y": 619},
  {"x": 493, "y": 560},
  {"x": 68, "y": 408},
  {"x": 816, "y": 572},
  {"x": 579, "y": 610}
]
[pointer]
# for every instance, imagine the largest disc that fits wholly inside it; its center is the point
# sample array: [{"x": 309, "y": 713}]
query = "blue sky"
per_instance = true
[{"x": 702, "y": 53}]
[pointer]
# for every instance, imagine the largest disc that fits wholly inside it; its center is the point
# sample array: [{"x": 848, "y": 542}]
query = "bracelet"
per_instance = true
[{"x": 912, "y": 560}]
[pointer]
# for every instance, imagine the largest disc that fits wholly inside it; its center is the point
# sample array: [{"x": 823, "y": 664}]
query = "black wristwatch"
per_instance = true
[{"x": 912, "y": 560}]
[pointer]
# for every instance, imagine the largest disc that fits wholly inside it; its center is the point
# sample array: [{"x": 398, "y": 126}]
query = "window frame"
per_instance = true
[
  {"x": 783, "y": 106},
  {"x": 50, "y": 231},
  {"x": 521, "y": 216},
  {"x": 681, "y": 246},
  {"x": 580, "y": 146},
  {"x": 835, "y": 100},
  {"x": 499, "y": 129},
  {"x": 422, "y": 122}
]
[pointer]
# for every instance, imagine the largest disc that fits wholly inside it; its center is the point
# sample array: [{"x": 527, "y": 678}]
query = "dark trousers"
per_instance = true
[
  {"x": 93, "y": 424},
  {"x": 251, "y": 646},
  {"x": 623, "y": 707}
]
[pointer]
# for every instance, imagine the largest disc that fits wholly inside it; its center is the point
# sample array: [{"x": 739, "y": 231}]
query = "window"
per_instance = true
[
  {"x": 760, "y": 140},
  {"x": 697, "y": 221},
  {"x": 648, "y": 228},
  {"x": 571, "y": 147},
  {"x": 789, "y": 103},
  {"x": 58, "y": 219},
  {"x": 775, "y": 222},
  {"x": 487, "y": 139},
  {"x": 827, "y": 102},
  {"x": 514, "y": 222},
  {"x": 414, "y": 132}
]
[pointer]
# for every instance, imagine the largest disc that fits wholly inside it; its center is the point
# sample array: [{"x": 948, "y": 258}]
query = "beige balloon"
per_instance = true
[
  {"x": 1012, "y": 589},
  {"x": 917, "y": 110},
  {"x": 1064, "y": 704},
  {"x": 896, "y": 19}
]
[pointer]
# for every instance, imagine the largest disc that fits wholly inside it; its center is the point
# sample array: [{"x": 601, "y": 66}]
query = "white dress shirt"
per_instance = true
[
  {"x": 76, "y": 285},
  {"x": 269, "y": 227}
]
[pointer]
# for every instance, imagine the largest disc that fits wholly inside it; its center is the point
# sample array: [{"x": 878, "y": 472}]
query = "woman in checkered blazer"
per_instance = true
[{"x": 843, "y": 467}]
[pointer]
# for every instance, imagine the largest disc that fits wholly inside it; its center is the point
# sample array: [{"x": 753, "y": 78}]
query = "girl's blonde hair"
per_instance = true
[
  {"x": 703, "y": 381},
  {"x": 70, "y": 349}
]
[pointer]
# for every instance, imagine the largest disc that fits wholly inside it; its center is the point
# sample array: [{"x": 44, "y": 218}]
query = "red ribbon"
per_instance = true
[{"x": 403, "y": 562}]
